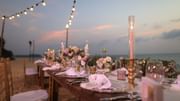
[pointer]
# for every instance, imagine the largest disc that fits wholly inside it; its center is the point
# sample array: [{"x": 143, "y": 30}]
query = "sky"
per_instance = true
[{"x": 100, "y": 23}]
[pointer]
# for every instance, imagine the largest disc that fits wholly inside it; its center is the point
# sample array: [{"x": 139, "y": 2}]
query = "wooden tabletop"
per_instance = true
[{"x": 81, "y": 93}]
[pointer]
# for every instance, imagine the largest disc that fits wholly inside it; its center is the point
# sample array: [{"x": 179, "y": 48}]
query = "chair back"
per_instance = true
[
  {"x": 4, "y": 91},
  {"x": 9, "y": 75}
]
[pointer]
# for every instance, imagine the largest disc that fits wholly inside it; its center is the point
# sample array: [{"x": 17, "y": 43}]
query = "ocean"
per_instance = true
[{"x": 169, "y": 56}]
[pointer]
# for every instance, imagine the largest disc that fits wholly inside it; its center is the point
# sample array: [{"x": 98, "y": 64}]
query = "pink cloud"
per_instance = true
[
  {"x": 103, "y": 27},
  {"x": 54, "y": 35}
]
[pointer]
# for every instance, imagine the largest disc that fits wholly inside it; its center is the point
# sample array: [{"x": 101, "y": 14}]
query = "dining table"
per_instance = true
[
  {"x": 73, "y": 85},
  {"x": 83, "y": 94}
]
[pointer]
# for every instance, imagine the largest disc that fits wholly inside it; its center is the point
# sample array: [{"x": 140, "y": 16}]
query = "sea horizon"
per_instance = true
[{"x": 161, "y": 56}]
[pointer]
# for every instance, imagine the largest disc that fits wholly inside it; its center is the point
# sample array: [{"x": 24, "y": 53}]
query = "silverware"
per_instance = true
[
  {"x": 76, "y": 81},
  {"x": 128, "y": 97},
  {"x": 115, "y": 98}
]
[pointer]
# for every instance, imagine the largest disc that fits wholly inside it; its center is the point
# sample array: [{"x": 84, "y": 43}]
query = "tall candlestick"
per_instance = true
[
  {"x": 131, "y": 69},
  {"x": 131, "y": 37}
]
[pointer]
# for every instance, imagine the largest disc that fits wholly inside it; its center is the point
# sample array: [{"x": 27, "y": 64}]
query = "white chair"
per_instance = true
[
  {"x": 34, "y": 95},
  {"x": 30, "y": 72}
]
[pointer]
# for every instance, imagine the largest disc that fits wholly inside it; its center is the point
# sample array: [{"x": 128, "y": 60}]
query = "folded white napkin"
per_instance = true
[
  {"x": 99, "y": 81},
  {"x": 73, "y": 72},
  {"x": 103, "y": 70},
  {"x": 53, "y": 67},
  {"x": 39, "y": 61}
]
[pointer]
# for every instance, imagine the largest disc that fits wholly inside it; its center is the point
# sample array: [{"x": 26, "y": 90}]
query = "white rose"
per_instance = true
[
  {"x": 108, "y": 59},
  {"x": 83, "y": 63},
  {"x": 79, "y": 57}
]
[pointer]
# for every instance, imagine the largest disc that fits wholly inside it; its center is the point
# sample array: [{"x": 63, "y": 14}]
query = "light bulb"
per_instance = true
[
  {"x": 72, "y": 16},
  {"x": 10, "y": 18},
  {"x": 70, "y": 21},
  {"x": 67, "y": 26},
  {"x": 2, "y": 17},
  {"x": 13, "y": 17},
  {"x": 73, "y": 9},
  {"x": 25, "y": 12},
  {"x": 18, "y": 15},
  {"x": 31, "y": 9},
  {"x": 43, "y": 3}
]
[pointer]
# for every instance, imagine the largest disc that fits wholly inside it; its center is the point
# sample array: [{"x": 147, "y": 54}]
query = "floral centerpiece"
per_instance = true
[
  {"x": 74, "y": 55},
  {"x": 103, "y": 63},
  {"x": 49, "y": 56},
  {"x": 69, "y": 53}
]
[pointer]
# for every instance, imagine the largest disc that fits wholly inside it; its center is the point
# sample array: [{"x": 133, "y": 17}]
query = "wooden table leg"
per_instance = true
[
  {"x": 53, "y": 90},
  {"x": 50, "y": 89}
]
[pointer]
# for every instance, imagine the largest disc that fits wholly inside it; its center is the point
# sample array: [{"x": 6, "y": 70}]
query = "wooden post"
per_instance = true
[{"x": 2, "y": 34}]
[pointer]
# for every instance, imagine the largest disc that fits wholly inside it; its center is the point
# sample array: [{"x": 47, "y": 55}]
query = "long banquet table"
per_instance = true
[{"x": 57, "y": 81}]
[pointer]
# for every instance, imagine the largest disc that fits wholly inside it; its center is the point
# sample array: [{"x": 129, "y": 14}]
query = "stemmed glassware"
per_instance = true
[{"x": 155, "y": 70}]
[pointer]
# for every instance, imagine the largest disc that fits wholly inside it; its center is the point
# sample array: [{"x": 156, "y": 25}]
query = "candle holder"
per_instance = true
[{"x": 131, "y": 73}]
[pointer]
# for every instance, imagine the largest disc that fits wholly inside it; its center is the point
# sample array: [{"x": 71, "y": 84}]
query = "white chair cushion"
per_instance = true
[
  {"x": 35, "y": 95},
  {"x": 46, "y": 74},
  {"x": 31, "y": 71}
]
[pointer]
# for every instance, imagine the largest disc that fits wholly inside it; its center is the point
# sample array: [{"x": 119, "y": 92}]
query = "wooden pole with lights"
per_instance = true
[
  {"x": 131, "y": 68},
  {"x": 67, "y": 32},
  {"x": 2, "y": 34},
  {"x": 70, "y": 22}
]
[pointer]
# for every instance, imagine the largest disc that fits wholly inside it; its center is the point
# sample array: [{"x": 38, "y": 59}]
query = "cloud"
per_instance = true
[
  {"x": 157, "y": 27},
  {"x": 173, "y": 34},
  {"x": 103, "y": 27},
  {"x": 54, "y": 35},
  {"x": 176, "y": 20}
]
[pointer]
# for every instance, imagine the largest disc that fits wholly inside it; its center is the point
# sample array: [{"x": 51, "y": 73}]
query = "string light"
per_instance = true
[
  {"x": 43, "y": 3},
  {"x": 71, "y": 15},
  {"x": 25, "y": 12},
  {"x": 73, "y": 9},
  {"x": 69, "y": 23},
  {"x": 31, "y": 9},
  {"x": 13, "y": 17},
  {"x": 67, "y": 26},
  {"x": 3, "y": 17},
  {"x": 17, "y": 15}
]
